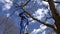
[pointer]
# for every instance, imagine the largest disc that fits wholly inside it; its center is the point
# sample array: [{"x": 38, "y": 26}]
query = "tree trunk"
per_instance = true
[
  {"x": 55, "y": 15},
  {"x": 58, "y": 25}
]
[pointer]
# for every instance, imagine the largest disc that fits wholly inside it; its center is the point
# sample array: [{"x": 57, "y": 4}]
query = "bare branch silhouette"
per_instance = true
[
  {"x": 27, "y": 12},
  {"x": 54, "y": 11},
  {"x": 55, "y": 15}
]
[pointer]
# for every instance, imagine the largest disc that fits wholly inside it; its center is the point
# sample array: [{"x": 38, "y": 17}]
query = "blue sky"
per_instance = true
[{"x": 37, "y": 8}]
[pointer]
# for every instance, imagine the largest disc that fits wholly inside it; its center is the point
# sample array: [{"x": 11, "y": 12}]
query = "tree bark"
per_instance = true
[{"x": 55, "y": 15}]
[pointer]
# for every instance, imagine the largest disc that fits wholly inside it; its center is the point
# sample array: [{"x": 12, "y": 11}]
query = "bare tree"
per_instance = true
[
  {"x": 55, "y": 16},
  {"x": 54, "y": 12}
]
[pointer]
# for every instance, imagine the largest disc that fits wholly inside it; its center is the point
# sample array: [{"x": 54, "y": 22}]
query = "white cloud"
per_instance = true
[
  {"x": 7, "y": 4},
  {"x": 8, "y": 1},
  {"x": 8, "y": 14},
  {"x": 39, "y": 2},
  {"x": 39, "y": 14},
  {"x": 35, "y": 31},
  {"x": 43, "y": 27},
  {"x": 44, "y": 32},
  {"x": 50, "y": 21},
  {"x": 54, "y": 0},
  {"x": 46, "y": 11},
  {"x": 31, "y": 21},
  {"x": 45, "y": 3},
  {"x": 39, "y": 11}
]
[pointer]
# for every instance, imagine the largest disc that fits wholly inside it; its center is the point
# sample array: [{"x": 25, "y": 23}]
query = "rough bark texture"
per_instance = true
[{"x": 55, "y": 15}]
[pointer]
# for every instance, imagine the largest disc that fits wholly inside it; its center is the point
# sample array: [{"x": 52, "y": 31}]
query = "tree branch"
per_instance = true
[
  {"x": 53, "y": 1},
  {"x": 27, "y": 12},
  {"x": 53, "y": 9},
  {"x": 55, "y": 15},
  {"x": 38, "y": 20},
  {"x": 23, "y": 5}
]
